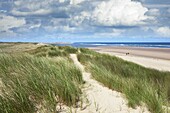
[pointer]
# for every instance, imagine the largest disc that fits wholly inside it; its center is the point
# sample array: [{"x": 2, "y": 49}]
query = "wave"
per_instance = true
[{"x": 124, "y": 44}]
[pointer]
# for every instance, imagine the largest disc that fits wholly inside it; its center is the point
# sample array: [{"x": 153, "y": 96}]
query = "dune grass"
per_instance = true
[
  {"x": 53, "y": 51},
  {"x": 140, "y": 85},
  {"x": 29, "y": 84},
  {"x": 68, "y": 49},
  {"x": 48, "y": 51}
]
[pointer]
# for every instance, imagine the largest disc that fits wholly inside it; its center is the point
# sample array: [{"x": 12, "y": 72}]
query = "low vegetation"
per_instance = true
[
  {"x": 39, "y": 78},
  {"x": 53, "y": 51},
  {"x": 29, "y": 84},
  {"x": 17, "y": 47},
  {"x": 68, "y": 49},
  {"x": 140, "y": 85}
]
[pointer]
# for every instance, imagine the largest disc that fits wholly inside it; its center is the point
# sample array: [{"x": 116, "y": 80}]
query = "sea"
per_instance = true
[{"x": 119, "y": 44}]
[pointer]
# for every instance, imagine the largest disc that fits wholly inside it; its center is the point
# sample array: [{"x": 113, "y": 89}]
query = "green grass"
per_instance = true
[
  {"x": 53, "y": 51},
  {"x": 28, "y": 82},
  {"x": 68, "y": 49},
  {"x": 4, "y": 46},
  {"x": 139, "y": 84},
  {"x": 47, "y": 77}
]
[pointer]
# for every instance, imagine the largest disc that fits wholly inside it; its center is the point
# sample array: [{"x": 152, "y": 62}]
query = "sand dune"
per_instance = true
[{"x": 100, "y": 99}]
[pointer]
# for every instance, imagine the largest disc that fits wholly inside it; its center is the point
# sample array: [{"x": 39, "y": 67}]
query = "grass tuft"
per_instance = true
[{"x": 34, "y": 83}]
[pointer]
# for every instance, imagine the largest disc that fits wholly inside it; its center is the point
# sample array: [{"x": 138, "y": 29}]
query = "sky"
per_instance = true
[{"x": 85, "y": 20}]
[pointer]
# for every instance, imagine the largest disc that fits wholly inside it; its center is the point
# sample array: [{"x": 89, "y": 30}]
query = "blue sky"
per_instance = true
[{"x": 85, "y": 20}]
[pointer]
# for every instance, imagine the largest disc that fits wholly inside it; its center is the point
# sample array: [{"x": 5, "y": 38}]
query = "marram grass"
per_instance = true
[
  {"x": 32, "y": 83},
  {"x": 140, "y": 85},
  {"x": 53, "y": 51}
]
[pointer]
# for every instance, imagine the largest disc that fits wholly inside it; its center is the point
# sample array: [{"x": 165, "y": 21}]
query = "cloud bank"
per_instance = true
[{"x": 100, "y": 18}]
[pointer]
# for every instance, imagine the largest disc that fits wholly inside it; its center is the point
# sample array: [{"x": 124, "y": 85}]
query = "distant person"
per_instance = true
[{"x": 127, "y": 53}]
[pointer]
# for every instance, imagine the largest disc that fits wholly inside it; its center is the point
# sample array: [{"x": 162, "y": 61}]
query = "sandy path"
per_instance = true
[{"x": 100, "y": 98}]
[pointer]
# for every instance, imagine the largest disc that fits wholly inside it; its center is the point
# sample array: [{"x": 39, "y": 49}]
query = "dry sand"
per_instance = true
[
  {"x": 156, "y": 58},
  {"x": 100, "y": 99}
]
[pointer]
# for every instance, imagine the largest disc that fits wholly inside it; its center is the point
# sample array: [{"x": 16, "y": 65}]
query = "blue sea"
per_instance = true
[{"x": 120, "y": 44}]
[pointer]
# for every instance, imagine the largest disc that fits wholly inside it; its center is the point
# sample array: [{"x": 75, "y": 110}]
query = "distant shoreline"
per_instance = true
[
  {"x": 123, "y": 44},
  {"x": 105, "y": 44},
  {"x": 157, "y": 58},
  {"x": 159, "y": 53}
]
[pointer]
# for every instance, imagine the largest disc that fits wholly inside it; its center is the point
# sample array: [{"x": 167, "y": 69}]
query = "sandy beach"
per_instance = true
[{"x": 156, "y": 58}]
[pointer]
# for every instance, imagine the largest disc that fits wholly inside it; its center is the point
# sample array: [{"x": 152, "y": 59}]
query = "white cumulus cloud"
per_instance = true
[
  {"x": 164, "y": 31},
  {"x": 154, "y": 12},
  {"x": 38, "y": 7},
  {"x": 8, "y": 22},
  {"x": 75, "y": 1},
  {"x": 37, "y": 12},
  {"x": 119, "y": 12},
  {"x": 114, "y": 13}
]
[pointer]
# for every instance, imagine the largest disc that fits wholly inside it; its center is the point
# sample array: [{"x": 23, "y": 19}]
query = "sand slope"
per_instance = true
[{"x": 100, "y": 99}]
